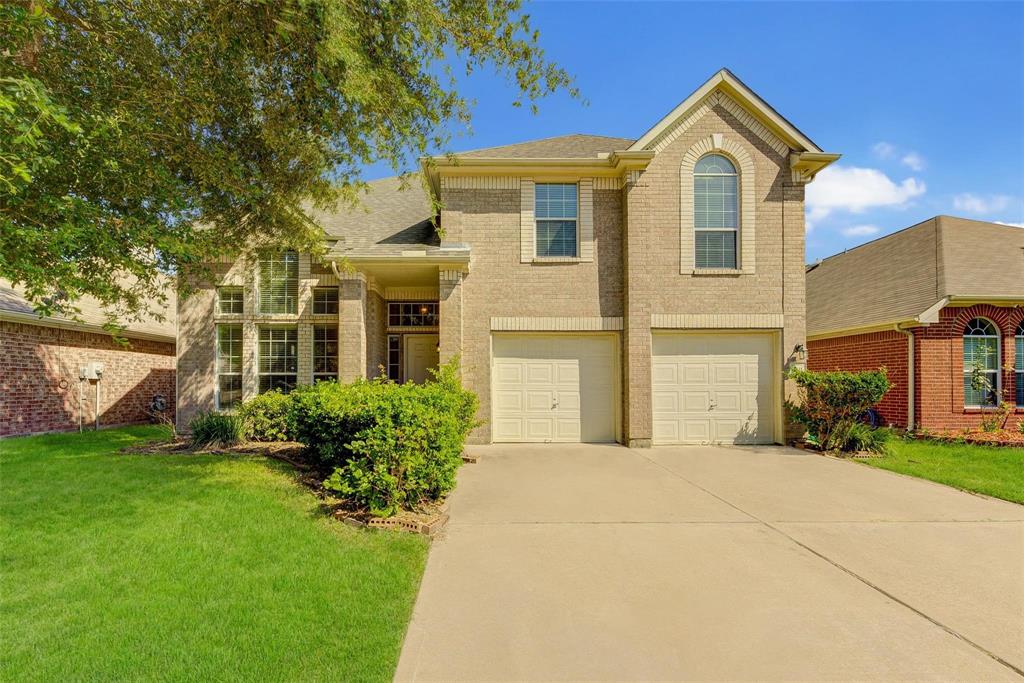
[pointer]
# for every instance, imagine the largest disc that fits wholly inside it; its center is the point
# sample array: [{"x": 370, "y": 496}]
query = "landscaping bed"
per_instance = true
[{"x": 999, "y": 437}]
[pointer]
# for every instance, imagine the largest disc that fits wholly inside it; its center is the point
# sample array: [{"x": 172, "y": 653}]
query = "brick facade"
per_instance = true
[
  {"x": 627, "y": 279},
  {"x": 39, "y": 390},
  {"x": 938, "y": 365},
  {"x": 869, "y": 352}
]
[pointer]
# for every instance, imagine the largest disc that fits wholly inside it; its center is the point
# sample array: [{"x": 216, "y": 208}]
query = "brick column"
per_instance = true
[
  {"x": 450, "y": 310},
  {"x": 794, "y": 297},
  {"x": 636, "y": 327},
  {"x": 352, "y": 327},
  {"x": 250, "y": 356},
  {"x": 304, "y": 364}
]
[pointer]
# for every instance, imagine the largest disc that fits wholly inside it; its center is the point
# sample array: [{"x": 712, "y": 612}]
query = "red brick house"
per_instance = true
[
  {"x": 930, "y": 303},
  {"x": 42, "y": 359}
]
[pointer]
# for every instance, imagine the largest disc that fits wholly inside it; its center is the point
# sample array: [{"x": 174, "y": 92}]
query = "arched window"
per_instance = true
[
  {"x": 1019, "y": 365},
  {"x": 715, "y": 212},
  {"x": 981, "y": 364}
]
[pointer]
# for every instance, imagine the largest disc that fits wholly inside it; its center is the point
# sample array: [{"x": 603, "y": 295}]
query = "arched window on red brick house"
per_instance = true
[{"x": 981, "y": 362}]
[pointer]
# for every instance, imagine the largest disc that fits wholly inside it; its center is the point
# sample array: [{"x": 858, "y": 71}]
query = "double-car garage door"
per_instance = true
[{"x": 706, "y": 388}]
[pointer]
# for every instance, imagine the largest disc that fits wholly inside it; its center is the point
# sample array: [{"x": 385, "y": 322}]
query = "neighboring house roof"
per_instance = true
[
  {"x": 575, "y": 146},
  {"x": 391, "y": 217},
  {"x": 906, "y": 277},
  {"x": 15, "y": 307}
]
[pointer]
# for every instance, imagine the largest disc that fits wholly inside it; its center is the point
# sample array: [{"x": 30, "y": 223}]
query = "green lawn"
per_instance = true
[
  {"x": 990, "y": 470},
  {"x": 142, "y": 567}
]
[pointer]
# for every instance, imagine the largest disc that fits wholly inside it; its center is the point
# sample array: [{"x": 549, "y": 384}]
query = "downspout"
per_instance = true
[{"x": 910, "y": 374}]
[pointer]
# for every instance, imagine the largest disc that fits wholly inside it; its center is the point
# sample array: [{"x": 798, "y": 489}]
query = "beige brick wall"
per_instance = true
[
  {"x": 197, "y": 332},
  {"x": 636, "y": 268}
]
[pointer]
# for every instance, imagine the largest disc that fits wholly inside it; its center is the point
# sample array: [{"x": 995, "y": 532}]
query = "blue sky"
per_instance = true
[{"x": 925, "y": 101}]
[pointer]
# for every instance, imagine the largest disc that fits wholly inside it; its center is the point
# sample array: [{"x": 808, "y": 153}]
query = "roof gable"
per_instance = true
[{"x": 730, "y": 91}]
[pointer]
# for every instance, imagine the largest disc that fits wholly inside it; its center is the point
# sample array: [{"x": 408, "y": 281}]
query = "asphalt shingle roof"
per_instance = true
[
  {"x": 576, "y": 146},
  {"x": 900, "y": 276}
]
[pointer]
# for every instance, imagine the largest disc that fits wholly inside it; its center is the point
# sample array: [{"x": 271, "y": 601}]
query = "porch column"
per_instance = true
[
  {"x": 636, "y": 327},
  {"x": 352, "y": 327},
  {"x": 450, "y": 314}
]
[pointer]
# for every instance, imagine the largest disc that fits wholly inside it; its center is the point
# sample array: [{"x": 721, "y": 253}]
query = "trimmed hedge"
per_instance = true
[
  {"x": 388, "y": 446},
  {"x": 832, "y": 403},
  {"x": 267, "y": 417}
]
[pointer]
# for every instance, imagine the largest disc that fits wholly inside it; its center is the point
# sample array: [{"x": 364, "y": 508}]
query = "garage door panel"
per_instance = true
[
  {"x": 724, "y": 387},
  {"x": 566, "y": 383}
]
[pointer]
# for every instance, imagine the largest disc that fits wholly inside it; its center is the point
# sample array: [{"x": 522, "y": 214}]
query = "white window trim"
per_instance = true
[
  {"x": 717, "y": 143},
  {"x": 259, "y": 281},
  {"x": 584, "y": 221},
  {"x": 997, "y": 371},
  {"x": 298, "y": 354},
  {"x": 241, "y": 357}
]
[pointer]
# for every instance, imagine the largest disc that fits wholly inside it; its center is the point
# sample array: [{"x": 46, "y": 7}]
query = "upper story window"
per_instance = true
[
  {"x": 325, "y": 301},
  {"x": 981, "y": 364},
  {"x": 715, "y": 212},
  {"x": 1019, "y": 364},
  {"x": 230, "y": 300},
  {"x": 279, "y": 282},
  {"x": 412, "y": 314},
  {"x": 556, "y": 210}
]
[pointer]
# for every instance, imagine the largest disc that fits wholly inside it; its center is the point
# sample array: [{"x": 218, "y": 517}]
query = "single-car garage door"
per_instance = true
[
  {"x": 553, "y": 387},
  {"x": 712, "y": 388}
]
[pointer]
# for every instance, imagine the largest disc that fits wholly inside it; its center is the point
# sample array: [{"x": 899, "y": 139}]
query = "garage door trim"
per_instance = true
[
  {"x": 616, "y": 370},
  {"x": 776, "y": 385}
]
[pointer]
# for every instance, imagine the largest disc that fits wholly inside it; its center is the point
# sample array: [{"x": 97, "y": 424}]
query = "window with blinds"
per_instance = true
[{"x": 279, "y": 282}]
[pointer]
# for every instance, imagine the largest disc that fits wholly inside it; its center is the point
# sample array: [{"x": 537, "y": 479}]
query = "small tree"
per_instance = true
[{"x": 831, "y": 402}]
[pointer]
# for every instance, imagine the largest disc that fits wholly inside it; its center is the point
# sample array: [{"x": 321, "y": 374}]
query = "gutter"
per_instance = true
[{"x": 60, "y": 323}]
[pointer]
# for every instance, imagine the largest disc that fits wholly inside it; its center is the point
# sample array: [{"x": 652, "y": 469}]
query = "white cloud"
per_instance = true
[
  {"x": 855, "y": 190},
  {"x": 883, "y": 150},
  {"x": 860, "y": 231},
  {"x": 913, "y": 161},
  {"x": 1012, "y": 225},
  {"x": 973, "y": 203}
]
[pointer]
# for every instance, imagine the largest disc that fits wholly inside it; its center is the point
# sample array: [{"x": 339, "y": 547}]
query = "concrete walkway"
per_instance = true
[{"x": 591, "y": 562}]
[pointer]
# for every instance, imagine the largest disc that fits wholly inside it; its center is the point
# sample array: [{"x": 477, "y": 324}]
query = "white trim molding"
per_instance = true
[
  {"x": 425, "y": 293},
  {"x": 586, "y": 219},
  {"x": 718, "y": 321},
  {"x": 728, "y": 146},
  {"x": 556, "y": 324},
  {"x": 479, "y": 183}
]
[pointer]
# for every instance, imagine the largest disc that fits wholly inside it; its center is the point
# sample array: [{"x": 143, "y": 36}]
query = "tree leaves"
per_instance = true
[{"x": 140, "y": 138}]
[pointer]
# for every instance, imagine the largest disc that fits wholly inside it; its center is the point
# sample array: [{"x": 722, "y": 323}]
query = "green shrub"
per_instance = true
[
  {"x": 216, "y": 429},
  {"x": 267, "y": 417},
  {"x": 855, "y": 437},
  {"x": 831, "y": 402},
  {"x": 389, "y": 446}
]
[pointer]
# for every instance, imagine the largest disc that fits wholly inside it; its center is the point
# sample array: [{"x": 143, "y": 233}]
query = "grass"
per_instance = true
[
  {"x": 144, "y": 567},
  {"x": 991, "y": 470}
]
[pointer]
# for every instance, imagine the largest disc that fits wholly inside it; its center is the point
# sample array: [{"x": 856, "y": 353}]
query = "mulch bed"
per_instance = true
[
  {"x": 426, "y": 520},
  {"x": 1000, "y": 437}
]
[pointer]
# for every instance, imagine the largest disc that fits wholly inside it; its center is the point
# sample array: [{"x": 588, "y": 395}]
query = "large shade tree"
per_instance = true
[{"x": 140, "y": 137}]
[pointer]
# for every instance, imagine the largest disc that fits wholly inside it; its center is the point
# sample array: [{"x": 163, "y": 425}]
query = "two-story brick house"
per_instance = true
[{"x": 596, "y": 289}]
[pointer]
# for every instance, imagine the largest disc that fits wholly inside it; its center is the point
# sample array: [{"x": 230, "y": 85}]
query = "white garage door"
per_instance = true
[
  {"x": 712, "y": 388},
  {"x": 553, "y": 388}
]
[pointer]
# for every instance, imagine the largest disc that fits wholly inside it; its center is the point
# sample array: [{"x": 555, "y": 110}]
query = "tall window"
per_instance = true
[
  {"x": 715, "y": 212},
  {"x": 556, "y": 210},
  {"x": 229, "y": 366},
  {"x": 325, "y": 300},
  {"x": 279, "y": 282},
  {"x": 325, "y": 353},
  {"x": 394, "y": 357},
  {"x": 1019, "y": 364},
  {"x": 279, "y": 354},
  {"x": 981, "y": 364},
  {"x": 230, "y": 299}
]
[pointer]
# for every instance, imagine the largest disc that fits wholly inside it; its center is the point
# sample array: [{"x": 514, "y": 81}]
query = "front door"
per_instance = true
[{"x": 421, "y": 355}]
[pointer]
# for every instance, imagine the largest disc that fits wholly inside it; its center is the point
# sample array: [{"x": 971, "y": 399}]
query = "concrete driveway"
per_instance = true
[{"x": 592, "y": 562}]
